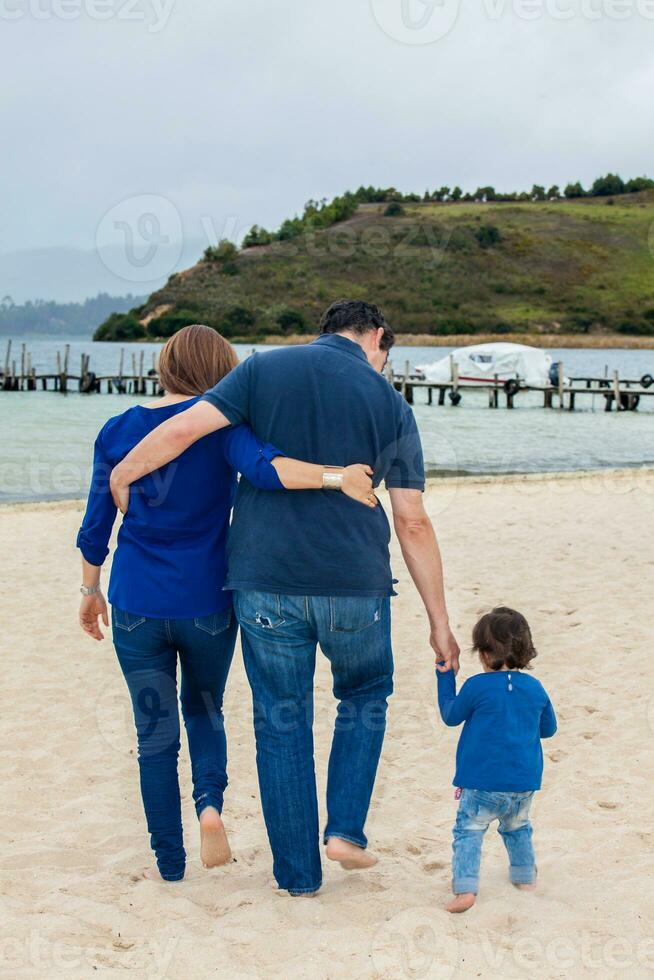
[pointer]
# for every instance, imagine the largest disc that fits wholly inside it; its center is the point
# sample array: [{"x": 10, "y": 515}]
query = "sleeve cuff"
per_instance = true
[
  {"x": 405, "y": 485},
  {"x": 93, "y": 553},
  {"x": 230, "y": 411},
  {"x": 270, "y": 452}
]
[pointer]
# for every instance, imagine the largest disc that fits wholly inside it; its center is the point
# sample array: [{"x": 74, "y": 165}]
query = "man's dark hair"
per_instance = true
[
  {"x": 355, "y": 316},
  {"x": 503, "y": 639}
]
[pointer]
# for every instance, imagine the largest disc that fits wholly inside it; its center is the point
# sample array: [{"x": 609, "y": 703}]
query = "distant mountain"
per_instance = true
[
  {"x": 60, "y": 319},
  {"x": 69, "y": 275}
]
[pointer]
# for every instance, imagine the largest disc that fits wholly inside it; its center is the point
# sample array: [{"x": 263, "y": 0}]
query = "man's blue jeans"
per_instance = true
[
  {"x": 280, "y": 634},
  {"x": 147, "y": 652},
  {"x": 477, "y": 809}
]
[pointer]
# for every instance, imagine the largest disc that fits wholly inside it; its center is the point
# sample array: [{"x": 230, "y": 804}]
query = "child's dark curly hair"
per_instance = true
[{"x": 503, "y": 638}]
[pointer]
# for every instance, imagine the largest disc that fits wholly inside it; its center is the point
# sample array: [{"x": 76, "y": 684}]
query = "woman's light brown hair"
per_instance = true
[
  {"x": 195, "y": 359},
  {"x": 503, "y": 638}
]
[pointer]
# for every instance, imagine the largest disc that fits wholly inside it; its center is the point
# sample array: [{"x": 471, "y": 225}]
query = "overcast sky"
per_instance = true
[{"x": 237, "y": 111}]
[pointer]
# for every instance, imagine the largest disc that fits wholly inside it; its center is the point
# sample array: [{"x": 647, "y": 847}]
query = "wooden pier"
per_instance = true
[
  {"x": 616, "y": 391},
  {"x": 626, "y": 394},
  {"x": 22, "y": 376}
]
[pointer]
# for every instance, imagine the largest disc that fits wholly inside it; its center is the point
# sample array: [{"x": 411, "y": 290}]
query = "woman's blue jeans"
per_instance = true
[
  {"x": 477, "y": 809},
  {"x": 279, "y": 634},
  {"x": 147, "y": 652}
]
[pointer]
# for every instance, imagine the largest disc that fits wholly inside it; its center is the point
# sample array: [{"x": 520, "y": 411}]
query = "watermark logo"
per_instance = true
[
  {"x": 416, "y": 943},
  {"x": 115, "y": 720},
  {"x": 140, "y": 239},
  {"x": 416, "y": 21}
]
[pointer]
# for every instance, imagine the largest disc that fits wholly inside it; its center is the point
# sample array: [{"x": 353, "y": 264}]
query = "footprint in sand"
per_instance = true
[
  {"x": 606, "y": 805},
  {"x": 557, "y": 755},
  {"x": 430, "y": 866}
]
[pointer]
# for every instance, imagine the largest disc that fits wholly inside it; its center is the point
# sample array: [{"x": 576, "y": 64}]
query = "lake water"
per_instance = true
[{"x": 47, "y": 438}]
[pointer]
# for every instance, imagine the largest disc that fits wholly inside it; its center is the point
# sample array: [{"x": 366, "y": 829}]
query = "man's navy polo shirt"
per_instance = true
[{"x": 323, "y": 403}]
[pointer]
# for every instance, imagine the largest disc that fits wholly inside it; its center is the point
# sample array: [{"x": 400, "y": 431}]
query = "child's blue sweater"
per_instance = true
[{"x": 506, "y": 713}]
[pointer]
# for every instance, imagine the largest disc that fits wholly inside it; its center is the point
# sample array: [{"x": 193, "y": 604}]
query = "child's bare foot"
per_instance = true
[
  {"x": 350, "y": 856},
  {"x": 526, "y": 888},
  {"x": 214, "y": 846},
  {"x": 461, "y": 903}
]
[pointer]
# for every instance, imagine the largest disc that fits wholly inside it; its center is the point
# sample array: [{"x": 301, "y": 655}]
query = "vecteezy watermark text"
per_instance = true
[
  {"x": 149, "y": 958},
  {"x": 419, "y": 22},
  {"x": 154, "y": 13}
]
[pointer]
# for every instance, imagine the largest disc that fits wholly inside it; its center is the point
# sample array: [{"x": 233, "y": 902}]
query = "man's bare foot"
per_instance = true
[
  {"x": 214, "y": 846},
  {"x": 461, "y": 903},
  {"x": 526, "y": 888},
  {"x": 350, "y": 856}
]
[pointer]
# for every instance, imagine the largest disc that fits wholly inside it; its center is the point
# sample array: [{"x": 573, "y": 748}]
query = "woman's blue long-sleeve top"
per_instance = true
[
  {"x": 504, "y": 714},
  {"x": 170, "y": 560}
]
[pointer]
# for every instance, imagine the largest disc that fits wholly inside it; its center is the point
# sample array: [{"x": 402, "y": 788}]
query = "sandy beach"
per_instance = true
[{"x": 574, "y": 553}]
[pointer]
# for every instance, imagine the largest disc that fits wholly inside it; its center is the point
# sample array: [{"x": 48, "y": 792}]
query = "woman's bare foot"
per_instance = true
[
  {"x": 351, "y": 857},
  {"x": 461, "y": 903},
  {"x": 152, "y": 874},
  {"x": 526, "y": 888},
  {"x": 214, "y": 846}
]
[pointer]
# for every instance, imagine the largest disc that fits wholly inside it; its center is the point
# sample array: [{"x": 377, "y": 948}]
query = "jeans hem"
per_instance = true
[
  {"x": 302, "y": 891},
  {"x": 172, "y": 877},
  {"x": 208, "y": 801},
  {"x": 465, "y": 886},
  {"x": 522, "y": 876},
  {"x": 359, "y": 841}
]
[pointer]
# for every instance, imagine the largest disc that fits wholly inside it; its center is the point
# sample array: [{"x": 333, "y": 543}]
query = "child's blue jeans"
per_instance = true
[{"x": 477, "y": 809}]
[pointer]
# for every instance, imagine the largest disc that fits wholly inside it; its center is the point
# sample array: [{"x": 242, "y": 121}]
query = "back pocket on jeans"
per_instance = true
[
  {"x": 352, "y": 614},
  {"x": 214, "y": 624},
  {"x": 126, "y": 621},
  {"x": 263, "y": 609}
]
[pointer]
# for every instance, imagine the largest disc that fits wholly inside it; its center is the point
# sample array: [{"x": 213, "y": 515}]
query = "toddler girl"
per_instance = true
[{"x": 499, "y": 760}]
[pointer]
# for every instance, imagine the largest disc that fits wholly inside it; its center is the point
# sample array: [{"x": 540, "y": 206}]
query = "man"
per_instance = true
[{"x": 313, "y": 568}]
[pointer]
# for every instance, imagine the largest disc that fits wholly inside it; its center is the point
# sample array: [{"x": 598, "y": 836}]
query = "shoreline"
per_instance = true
[
  {"x": 609, "y": 341},
  {"x": 568, "y": 341},
  {"x": 433, "y": 482}
]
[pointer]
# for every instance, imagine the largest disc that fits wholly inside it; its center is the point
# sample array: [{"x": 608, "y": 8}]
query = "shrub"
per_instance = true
[
  {"x": 237, "y": 319},
  {"x": 120, "y": 326},
  {"x": 292, "y": 321},
  {"x": 169, "y": 323},
  {"x": 488, "y": 236},
  {"x": 257, "y": 236},
  {"x": 394, "y": 210},
  {"x": 638, "y": 184},
  {"x": 605, "y": 186},
  {"x": 224, "y": 255},
  {"x": 574, "y": 190},
  {"x": 637, "y": 327}
]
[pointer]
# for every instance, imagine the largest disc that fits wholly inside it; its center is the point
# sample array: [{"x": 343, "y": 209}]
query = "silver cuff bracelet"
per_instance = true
[{"x": 332, "y": 481}]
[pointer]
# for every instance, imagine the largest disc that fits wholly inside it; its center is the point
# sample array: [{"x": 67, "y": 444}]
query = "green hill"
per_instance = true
[{"x": 584, "y": 265}]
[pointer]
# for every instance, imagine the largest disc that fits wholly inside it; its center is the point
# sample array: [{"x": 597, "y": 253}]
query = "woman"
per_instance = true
[{"x": 166, "y": 586}]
